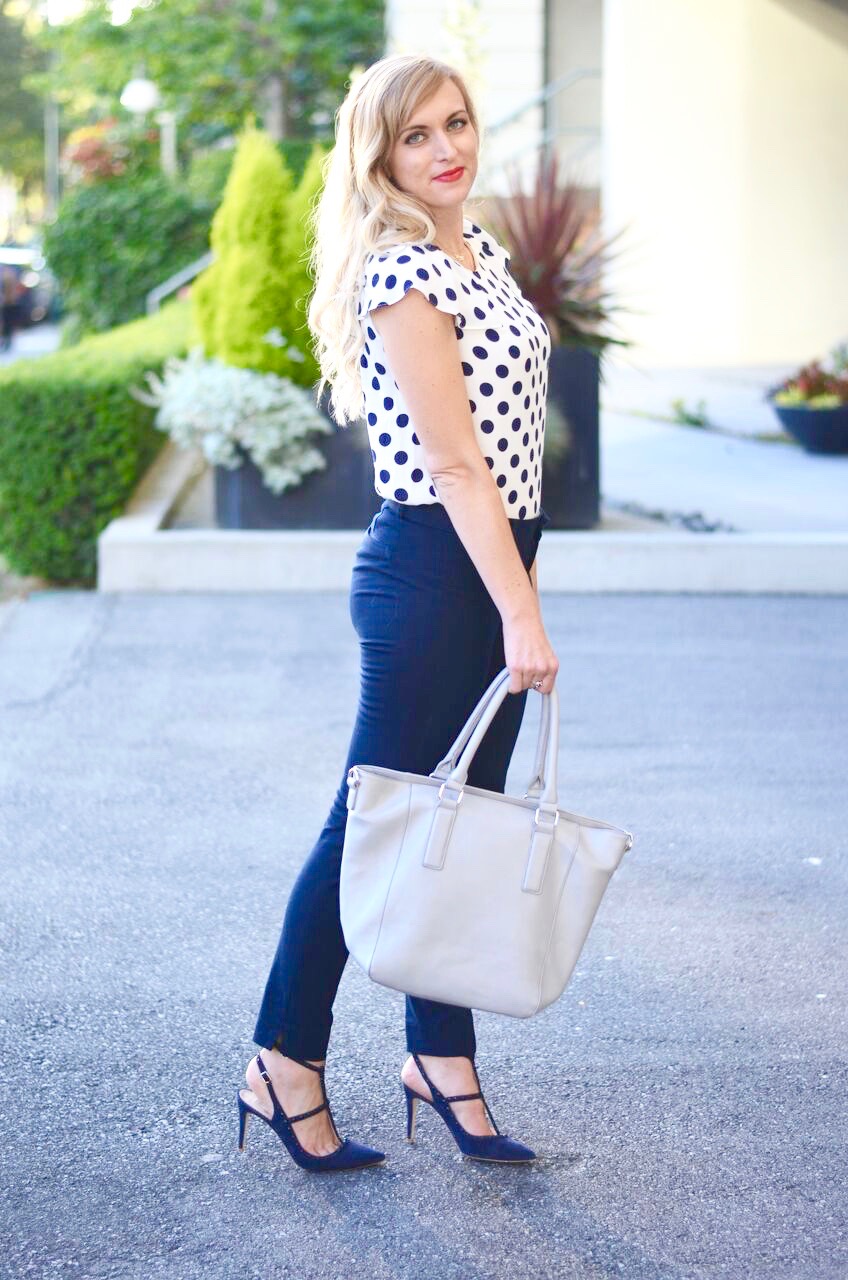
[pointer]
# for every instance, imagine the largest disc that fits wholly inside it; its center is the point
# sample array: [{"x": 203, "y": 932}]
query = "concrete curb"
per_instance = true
[{"x": 136, "y": 552}]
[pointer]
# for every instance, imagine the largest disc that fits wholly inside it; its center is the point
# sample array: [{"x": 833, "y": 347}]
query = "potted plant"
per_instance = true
[
  {"x": 239, "y": 419},
  {"x": 557, "y": 258},
  {"x": 812, "y": 403},
  {"x": 249, "y": 308}
]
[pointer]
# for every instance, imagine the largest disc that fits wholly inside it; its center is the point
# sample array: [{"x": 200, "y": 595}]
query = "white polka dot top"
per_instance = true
[{"x": 504, "y": 346}]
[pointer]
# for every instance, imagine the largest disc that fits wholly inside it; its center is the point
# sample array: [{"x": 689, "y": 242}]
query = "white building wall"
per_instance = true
[
  {"x": 724, "y": 126},
  {"x": 497, "y": 44}
]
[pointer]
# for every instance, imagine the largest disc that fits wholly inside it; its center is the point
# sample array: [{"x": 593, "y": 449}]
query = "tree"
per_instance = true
[
  {"x": 21, "y": 111},
  {"x": 116, "y": 238},
  {"x": 214, "y": 60},
  {"x": 259, "y": 281}
]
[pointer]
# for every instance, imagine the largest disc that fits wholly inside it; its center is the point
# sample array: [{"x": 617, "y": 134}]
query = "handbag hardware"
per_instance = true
[{"x": 458, "y": 798}]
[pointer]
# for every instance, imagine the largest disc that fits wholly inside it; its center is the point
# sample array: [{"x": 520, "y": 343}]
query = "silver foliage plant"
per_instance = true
[{"x": 217, "y": 407}]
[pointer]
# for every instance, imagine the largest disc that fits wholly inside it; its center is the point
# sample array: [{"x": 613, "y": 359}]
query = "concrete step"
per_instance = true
[{"x": 153, "y": 548}]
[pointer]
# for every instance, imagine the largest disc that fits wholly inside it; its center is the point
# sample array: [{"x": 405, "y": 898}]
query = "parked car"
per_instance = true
[{"x": 38, "y": 292}]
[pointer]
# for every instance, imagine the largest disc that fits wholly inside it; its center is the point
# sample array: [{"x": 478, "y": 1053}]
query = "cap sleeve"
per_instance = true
[
  {"x": 492, "y": 248},
  {"x": 390, "y": 273}
]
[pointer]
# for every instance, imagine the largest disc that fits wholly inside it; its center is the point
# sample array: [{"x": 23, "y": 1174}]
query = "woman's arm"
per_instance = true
[
  {"x": 421, "y": 346},
  {"x": 420, "y": 343}
]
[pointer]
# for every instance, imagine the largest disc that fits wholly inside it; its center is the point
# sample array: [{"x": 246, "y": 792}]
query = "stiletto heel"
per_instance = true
[
  {"x": 350, "y": 1155},
  {"x": 497, "y": 1147},
  {"x": 412, "y": 1100},
  {"x": 244, "y": 1116}
]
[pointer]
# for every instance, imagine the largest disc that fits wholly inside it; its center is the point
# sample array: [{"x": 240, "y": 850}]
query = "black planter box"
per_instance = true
[
  {"x": 340, "y": 497},
  {"x": 343, "y": 496},
  {"x": 817, "y": 430},
  {"x": 571, "y": 464}
]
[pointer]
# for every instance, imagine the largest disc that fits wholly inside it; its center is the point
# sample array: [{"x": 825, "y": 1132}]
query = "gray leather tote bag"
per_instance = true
[{"x": 456, "y": 893}]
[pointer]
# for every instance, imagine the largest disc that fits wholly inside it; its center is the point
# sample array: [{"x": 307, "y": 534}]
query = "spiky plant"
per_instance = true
[{"x": 556, "y": 257}]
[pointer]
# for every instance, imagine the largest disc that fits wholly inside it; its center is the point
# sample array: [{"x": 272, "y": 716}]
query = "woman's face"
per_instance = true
[{"x": 437, "y": 137}]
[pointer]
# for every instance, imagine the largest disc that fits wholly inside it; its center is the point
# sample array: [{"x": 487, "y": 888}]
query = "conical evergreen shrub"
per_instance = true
[{"x": 259, "y": 283}]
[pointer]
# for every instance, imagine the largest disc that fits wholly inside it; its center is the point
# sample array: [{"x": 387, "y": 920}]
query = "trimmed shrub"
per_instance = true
[
  {"x": 74, "y": 443},
  {"x": 250, "y": 303}
]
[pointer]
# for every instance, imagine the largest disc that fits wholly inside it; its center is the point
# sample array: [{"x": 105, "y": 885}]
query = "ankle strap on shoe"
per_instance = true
[
  {"x": 458, "y": 1097},
  {"x": 304, "y": 1115},
  {"x": 275, "y": 1102},
  {"x": 311, "y": 1065},
  {"x": 437, "y": 1093}
]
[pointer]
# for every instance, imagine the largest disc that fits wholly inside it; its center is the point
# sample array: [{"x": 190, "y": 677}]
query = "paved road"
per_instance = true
[{"x": 165, "y": 763}]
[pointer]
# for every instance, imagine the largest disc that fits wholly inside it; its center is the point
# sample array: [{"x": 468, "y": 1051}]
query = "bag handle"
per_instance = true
[
  {"x": 548, "y": 741},
  {"x": 546, "y": 815},
  {"x": 537, "y": 783},
  {"x": 448, "y": 762}
]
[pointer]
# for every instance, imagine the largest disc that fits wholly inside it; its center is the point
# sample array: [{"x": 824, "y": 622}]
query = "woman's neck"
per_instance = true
[{"x": 449, "y": 229}]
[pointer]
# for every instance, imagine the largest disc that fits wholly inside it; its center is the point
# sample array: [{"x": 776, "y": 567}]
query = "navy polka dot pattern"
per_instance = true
[{"x": 504, "y": 346}]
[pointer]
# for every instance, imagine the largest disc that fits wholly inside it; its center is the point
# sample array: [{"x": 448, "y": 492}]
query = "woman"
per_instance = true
[{"x": 420, "y": 329}]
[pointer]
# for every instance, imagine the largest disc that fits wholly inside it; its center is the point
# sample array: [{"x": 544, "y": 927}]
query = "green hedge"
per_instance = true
[
  {"x": 115, "y": 240},
  {"x": 74, "y": 443}
]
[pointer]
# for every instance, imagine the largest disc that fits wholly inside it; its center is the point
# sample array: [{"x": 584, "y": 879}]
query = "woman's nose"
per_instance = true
[{"x": 444, "y": 148}]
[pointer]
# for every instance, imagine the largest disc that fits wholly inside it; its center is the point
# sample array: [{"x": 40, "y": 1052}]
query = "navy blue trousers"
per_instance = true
[{"x": 431, "y": 641}]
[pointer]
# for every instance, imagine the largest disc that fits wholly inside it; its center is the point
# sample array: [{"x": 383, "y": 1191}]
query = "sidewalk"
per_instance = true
[
  {"x": 165, "y": 765},
  {"x": 744, "y": 475},
  {"x": 39, "y": 340}
]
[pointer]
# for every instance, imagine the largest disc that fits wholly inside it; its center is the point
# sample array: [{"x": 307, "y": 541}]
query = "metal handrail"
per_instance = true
[
  {"x": 547, "y": 134},
  {"x": 547, "y": 91},
  {"x": 154, "y": 298}
]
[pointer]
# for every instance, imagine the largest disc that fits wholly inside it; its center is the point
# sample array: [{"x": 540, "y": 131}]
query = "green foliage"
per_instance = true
[
  {"x": 74, "y": 443},
  {"x": 212, "y": 58},
  {"x": 250, "y": 303},
  {"x": 116, "y": 239},
  {"x": 209, "y": 168},
  {"x": 21, "y": 111},
  {"x": 819, "y": 384},
  {"x": 696, "y": 417},
  {"x": 207, "y": 175}
]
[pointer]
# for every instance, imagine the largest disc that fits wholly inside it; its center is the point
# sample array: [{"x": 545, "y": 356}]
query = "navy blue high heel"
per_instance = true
[
  {"x": 496, "y": 1146},
  {"x": 350, "y": 1155}
]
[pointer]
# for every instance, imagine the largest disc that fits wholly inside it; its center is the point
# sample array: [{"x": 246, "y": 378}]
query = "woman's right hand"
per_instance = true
[{"x": 528, "y": 654}]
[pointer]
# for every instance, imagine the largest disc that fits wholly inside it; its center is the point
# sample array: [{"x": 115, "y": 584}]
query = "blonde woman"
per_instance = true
[{"x": 420, "y": 329}]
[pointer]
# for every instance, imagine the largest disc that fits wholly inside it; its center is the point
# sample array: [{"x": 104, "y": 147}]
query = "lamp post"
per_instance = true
[{"x": 141, "y": 95}]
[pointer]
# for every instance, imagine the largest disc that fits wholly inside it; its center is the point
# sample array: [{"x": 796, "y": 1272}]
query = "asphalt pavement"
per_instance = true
[{"x": 166, "y": 763}]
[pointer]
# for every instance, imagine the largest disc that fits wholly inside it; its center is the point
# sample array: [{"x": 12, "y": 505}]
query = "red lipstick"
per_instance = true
[{"x": 450, "y": 175}]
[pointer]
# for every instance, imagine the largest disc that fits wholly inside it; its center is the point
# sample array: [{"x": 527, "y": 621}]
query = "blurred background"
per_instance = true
[{"x": 700, "y": 373}]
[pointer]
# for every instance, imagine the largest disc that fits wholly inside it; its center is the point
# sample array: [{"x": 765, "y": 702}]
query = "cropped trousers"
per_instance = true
[{"x": 431, "y": 642}]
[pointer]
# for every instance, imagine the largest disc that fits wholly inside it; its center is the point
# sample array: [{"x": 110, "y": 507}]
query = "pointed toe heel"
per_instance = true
[
  {"x": 349, "y": 1155},
  {"x": 498, "y": 1147}
]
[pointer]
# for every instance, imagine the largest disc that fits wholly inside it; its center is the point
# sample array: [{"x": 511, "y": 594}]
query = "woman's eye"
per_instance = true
[{"x": 418, "y": 134}]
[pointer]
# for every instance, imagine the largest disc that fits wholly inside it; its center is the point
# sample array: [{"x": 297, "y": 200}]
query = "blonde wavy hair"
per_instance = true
[{"x": 360, "y": 210}]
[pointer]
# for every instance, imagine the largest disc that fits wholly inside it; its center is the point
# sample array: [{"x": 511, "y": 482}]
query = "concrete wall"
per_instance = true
[{"x": 724, "y": 152}]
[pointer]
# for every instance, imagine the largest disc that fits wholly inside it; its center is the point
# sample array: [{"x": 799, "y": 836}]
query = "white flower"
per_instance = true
[{"x": 220, "y": 409}]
